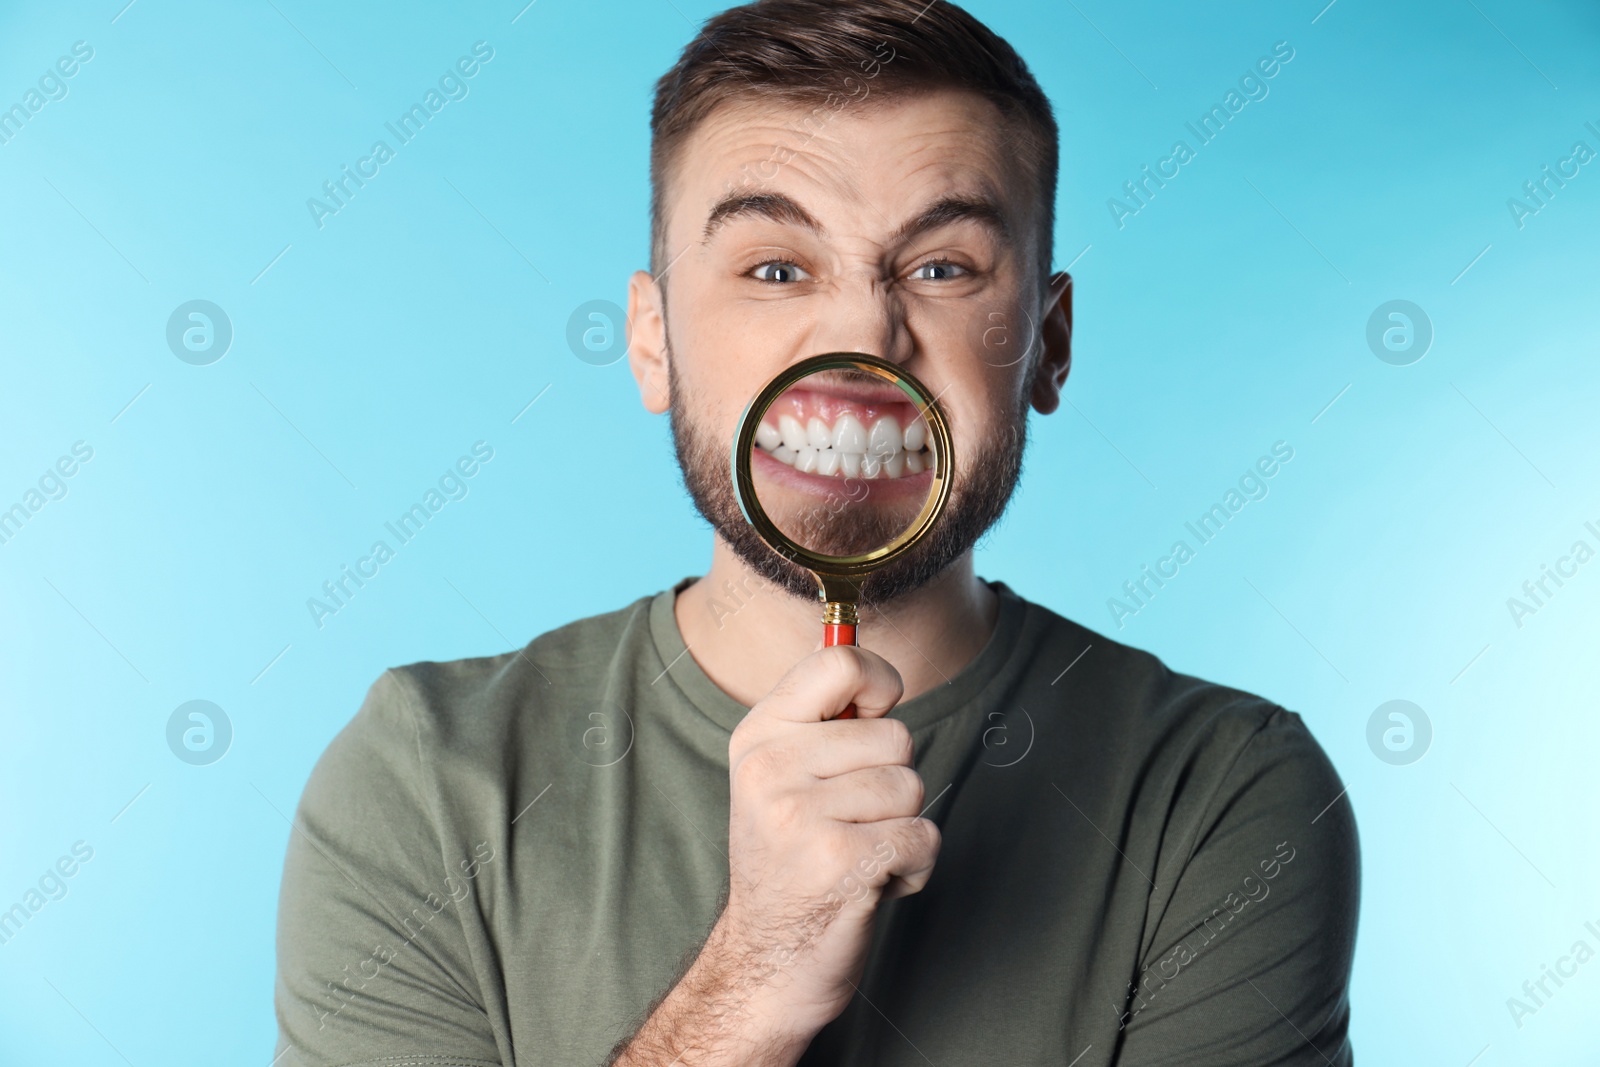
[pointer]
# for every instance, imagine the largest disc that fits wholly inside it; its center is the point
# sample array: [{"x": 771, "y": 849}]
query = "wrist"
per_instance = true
[
  {"x": 724, "y": 1010},
  {"x": 740, "y": 984}
]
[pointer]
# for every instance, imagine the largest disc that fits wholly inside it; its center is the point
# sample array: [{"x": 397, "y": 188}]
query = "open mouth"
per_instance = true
[{"x": 850, "y": 433}]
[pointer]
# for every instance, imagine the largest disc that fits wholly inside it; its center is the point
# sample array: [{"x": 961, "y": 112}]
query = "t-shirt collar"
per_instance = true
[{"x": 679, "y": 668}]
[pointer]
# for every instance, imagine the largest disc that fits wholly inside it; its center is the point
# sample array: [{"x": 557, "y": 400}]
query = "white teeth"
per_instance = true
[
  {"x": 885, "y": 439},
  {"x": 794, "y": 435},
  {"x": 849, "y": 435},
  {"x": 817, "y": 434},
  {"x": 916, "y": 435},
  {"x": 848, "y": 448}
]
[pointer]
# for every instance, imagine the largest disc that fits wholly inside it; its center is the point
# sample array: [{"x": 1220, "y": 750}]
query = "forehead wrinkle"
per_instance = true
[
  {"x": 964, "y": 186},
  {"x": 981, "y": 181},
  {"x": 828, "y": 157},
  {"x": 748, "y": 198}
]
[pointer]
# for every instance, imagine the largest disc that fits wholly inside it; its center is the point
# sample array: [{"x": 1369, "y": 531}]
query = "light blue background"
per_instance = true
[{"x": 1226, "y": 315}]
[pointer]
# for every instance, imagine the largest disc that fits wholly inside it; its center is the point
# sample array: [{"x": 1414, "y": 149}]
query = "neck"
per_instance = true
[{"x": 746, "y": 633}]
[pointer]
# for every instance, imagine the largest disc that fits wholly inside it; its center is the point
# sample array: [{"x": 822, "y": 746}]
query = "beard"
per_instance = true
[{"x": 980, "y": 490}]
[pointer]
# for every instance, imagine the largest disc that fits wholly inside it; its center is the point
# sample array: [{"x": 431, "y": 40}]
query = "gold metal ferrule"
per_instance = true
[{"x": 836, "y": 613}]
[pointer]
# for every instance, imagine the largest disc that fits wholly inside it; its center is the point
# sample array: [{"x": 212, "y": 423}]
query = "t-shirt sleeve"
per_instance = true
[
  {"x": 373, "y": 960},
  {"x": 1249, "y": 965}
]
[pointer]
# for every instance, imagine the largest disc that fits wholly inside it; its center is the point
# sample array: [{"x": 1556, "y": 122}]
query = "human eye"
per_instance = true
[
  {"x": 778, "y": 272},
  {"x": 939, "y": 270}
]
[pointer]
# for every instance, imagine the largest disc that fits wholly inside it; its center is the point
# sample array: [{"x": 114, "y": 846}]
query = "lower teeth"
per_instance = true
[{"x": 830, "y": 462}]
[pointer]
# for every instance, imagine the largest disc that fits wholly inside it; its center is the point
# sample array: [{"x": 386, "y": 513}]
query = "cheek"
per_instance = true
[
  {"x": 711, "y": 327},
  {"x": 980, "y": 417},
  {"x": 710, "y": 392},
  {"x": 722, "y": 356},
  {"x": 992, "y": 330},
  {"x": 1000, "y": 392}
]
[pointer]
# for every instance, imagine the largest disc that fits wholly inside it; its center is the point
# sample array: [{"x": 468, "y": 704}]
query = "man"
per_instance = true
[{"x": 645, "y": 839}]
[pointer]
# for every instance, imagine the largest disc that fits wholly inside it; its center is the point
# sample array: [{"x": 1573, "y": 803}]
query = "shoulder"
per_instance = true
[
  {"x": 1218, "y": 788},
  {"x": 1180, "y": 741},
  {"x": 451, "y": 719},
  {"x": 1148, "y": 698},
  {"x": 457, "y": 700}
]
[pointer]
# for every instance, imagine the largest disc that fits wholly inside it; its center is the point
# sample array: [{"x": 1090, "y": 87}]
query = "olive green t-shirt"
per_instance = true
[{"x": 507, "y": 860}]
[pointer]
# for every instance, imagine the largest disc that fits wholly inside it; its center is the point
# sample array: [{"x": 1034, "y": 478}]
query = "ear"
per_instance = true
[
  {"x": 647, "y": 341},
  {"x": 1055, "y": 335}
]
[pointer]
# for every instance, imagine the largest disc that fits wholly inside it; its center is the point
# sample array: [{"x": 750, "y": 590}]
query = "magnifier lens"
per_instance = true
[{"x": 843, "y": 462}]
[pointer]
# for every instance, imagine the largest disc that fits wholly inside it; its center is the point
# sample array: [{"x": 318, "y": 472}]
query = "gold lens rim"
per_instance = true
[{"x": 744, "y": 484}]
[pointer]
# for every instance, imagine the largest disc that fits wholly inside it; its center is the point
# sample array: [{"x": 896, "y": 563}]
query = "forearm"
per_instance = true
[{"x": 719, "y": 1014}]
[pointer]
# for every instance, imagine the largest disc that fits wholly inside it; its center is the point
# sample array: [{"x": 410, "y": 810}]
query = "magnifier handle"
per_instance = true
[{"x": 840, "y": 633}]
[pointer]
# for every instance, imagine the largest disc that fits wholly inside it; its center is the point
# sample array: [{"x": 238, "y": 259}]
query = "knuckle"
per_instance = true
[
  {"x": 848, "y": 669},
  {"x": 739, "y": 777},
  {"x": 756, "y": 771},
  {"x": 897, "y": 737},
  {"x": 897, "y": 679},
  {"x": 835, "y": 853},
  {"x": 909, "y": 782},
  {"x": 749, "y": 735},
  {"x": 788, "y": 812}
]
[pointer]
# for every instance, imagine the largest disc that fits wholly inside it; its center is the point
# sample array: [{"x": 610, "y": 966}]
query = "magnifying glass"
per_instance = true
[{"x": 842, "y": 464}]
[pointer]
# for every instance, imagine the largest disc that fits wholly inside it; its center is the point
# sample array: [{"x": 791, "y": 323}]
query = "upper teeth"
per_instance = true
[{"x": 847, "y": 448}]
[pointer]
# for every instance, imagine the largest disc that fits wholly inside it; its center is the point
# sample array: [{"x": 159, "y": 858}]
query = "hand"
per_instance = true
[{"x": 823, "y": 825}]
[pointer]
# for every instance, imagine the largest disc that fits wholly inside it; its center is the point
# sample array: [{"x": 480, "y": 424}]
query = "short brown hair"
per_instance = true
[{"x": 804, "y": 51}]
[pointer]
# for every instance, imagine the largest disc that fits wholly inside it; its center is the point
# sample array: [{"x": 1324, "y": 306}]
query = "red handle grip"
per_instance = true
[{"x": 840, "y": 633}]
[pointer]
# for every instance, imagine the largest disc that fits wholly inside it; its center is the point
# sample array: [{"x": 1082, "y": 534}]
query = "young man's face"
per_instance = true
[{"x": 904, "y": 229}]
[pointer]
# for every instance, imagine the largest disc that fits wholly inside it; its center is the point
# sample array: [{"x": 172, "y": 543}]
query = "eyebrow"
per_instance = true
[
  {"x": 950, "y": 209},
  {"x": 773, "y": 206},
  {"x": 780, "y": 209}
]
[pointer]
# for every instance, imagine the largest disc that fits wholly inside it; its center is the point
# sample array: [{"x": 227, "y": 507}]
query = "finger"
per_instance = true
[
  {"x": 916, "y": 844},
  {"x": 870, "y": 795},
  {"x": 841, "y": 746},
  {"x": 824, "y": 683},
  {"x": 799, "y": 755}
]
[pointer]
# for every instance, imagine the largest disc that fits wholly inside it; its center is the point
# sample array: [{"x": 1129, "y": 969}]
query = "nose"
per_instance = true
[{"x": 864, "y": 314}]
